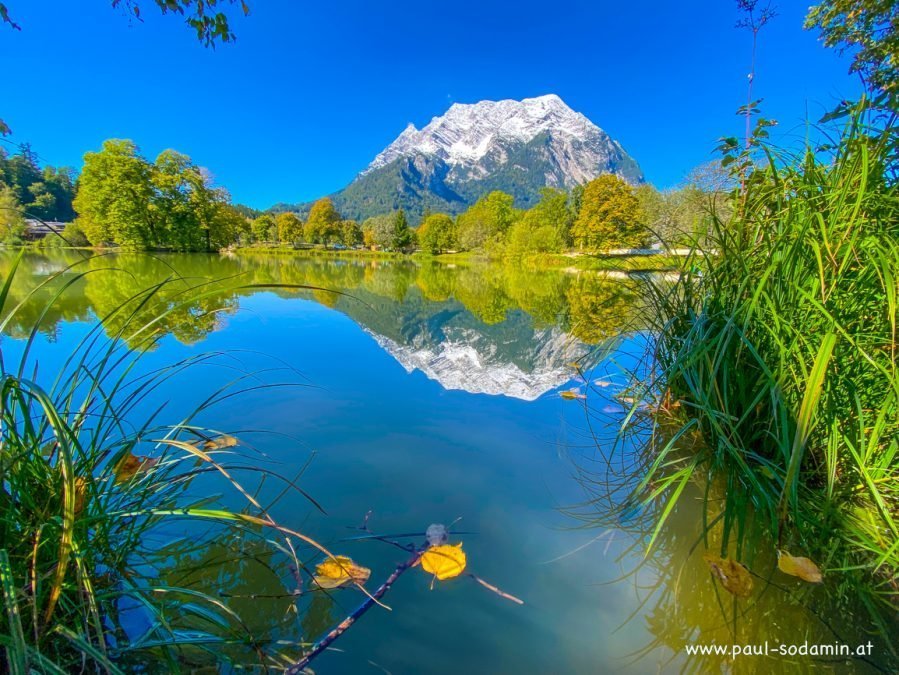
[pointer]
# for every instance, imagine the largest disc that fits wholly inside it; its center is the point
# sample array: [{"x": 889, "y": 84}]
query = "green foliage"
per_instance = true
[
  {"x": 487, "y": 219},
  {"x": 290, "y": 228},
  {"x": 377, "y": 232},
  {"x": 350, "y": 233},
  {"x": 264, "y": 228},
  {"x": 322, "y": 226},
  {"x": 437, "y": 233},
  {"x": 42, "y": 193},
  {"x": 609, "y": 215},
  {"x": 868, "y": 28},
  {"x": 544, "y": 228},
  {"x": 12, "y": 223},
  {"x": 779, "y": 346},
  {"x": 123, "y": 199},
  {"x": 402, "y": 237}
]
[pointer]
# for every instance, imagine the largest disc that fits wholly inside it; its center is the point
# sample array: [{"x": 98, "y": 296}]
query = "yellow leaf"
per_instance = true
[
  {"x": 444, "y": 561},
  {"x": 339, "y": 571},
  {"x": 131, "y": 464},
  {"x": 80, "y": 494},
  {"x": 733, "y": 576},
  {"x": 570, "y": 395},
  {"x": 219, "y": 442},
  {"x": 800, "y": 567}
]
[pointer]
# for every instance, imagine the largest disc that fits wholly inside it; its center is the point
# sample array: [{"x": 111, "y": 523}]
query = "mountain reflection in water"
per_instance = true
[{"x": 481, "y": 328}]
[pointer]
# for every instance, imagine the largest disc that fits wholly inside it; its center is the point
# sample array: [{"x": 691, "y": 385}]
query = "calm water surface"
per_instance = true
[{"x": 423, "y": 394}]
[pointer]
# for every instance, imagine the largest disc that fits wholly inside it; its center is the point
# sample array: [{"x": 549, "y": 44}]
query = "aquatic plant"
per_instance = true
[
  {"x": 88, "y": 477},
  {"x": 776, "y": 359}
]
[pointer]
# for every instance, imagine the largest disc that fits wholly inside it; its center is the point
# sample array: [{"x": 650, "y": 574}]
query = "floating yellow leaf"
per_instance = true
[
  {"x": 570, "y": 395},
  {"x": 733, "y": 576},
  {"x": 800, "y": 567},
  {"x": 445, "y": 561},
  {"x": 219, "y": 442},
  {"x": 339, "y": 571},
  {"x": 131, "y": 464}
]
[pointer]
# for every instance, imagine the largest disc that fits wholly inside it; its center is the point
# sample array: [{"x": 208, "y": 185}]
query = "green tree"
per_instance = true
[
  {"x": 544, "y": 228},
  {"x": 437, "y": 233},
  {"x": 264, "y": 228},
  {"x": 377, "y": 231},
  {"x": 487, "y": 219},
  {"x": 290, "y": 228},
  {"x": 114, "y": 197},
  {"x": 322, "y": 224},
  {"x": 609, "y": 215},
  {"x": 12, "y": 222},
  {"x": 350, "y": 233},
  {"x": 870, "y": 29},
  {"x": 403, "y": 238}
]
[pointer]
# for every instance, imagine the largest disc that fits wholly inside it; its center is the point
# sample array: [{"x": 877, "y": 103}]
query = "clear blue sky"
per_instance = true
[{"x": 311, "y": 91}]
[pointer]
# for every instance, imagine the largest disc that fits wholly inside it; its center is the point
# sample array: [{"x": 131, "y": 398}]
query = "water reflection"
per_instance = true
[
  {"x": 492, "y": 329},
  {"x": 684, "y": 606}
]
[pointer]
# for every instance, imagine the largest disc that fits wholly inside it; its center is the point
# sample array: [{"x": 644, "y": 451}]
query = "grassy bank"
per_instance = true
[{"x": 776, "y": 360}]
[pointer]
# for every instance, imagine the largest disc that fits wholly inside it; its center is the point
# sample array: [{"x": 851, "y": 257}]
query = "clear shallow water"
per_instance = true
[{"x": 430, "y": 394}]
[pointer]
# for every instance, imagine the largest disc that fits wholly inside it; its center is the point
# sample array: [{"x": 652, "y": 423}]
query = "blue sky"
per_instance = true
[{"x": 311, "y": 92}]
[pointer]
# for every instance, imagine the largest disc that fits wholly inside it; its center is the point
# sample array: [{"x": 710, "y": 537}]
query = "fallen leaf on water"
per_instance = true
[
  {"x": 800, "y": 567},
  {"x": 570, "y": 395},
  {"x": 219, "y": 442},
  {"x": 445, "y": 561},
  {"x": 130, "y": 465},
  {"x": 339, "y": 571},
  {"x": 733, "y": 576}
]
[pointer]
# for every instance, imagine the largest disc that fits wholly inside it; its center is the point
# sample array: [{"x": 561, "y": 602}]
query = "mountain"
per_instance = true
[{"x": 515, "y": 146}]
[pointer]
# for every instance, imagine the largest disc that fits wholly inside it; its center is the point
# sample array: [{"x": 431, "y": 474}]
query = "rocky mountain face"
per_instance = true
[{"x": 515, "y": 146}]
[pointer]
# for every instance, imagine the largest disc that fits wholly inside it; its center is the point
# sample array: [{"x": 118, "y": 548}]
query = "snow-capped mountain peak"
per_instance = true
[
  {"x": 469, "y": 133},
  {"x": 519, "y": 147}
]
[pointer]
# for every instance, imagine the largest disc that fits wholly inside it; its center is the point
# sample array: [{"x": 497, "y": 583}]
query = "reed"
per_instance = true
[
  {"x": 775, "y": 361},
  {"x": 91, "y": 481}
]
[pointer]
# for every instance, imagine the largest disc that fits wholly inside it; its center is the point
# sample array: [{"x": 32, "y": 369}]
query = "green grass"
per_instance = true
[
  {"x": 776, "y": 362},
  {"x": 90, "y": 479}
]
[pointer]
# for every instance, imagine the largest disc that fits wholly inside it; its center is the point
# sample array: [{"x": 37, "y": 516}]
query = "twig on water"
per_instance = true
[{"x": 344, "y": 625}]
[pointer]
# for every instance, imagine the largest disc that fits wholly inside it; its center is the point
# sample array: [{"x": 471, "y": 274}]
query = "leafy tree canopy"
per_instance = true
[
  {"x": 437, "y": 233},
  {"x": 609, "y": 215},
  {"x": 869, "y": 28}
]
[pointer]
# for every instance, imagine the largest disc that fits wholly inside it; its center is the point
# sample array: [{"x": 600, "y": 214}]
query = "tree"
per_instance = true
[
  {"x": 42, "y": 193},
  {"x": 402, "y": 238},
  {"x": 322, "y": 224},
  {"x": 377, "y": 232},
  {"x": 544, "y": 228},
  {"x": 609, "y": 215},
  {"x": 437, "y": 233},
  {"x": 868, "y": 27},
  {"x": 114, "y": 197},
  {"x": 486, "y": 219},
  {"x": 12, "y": 223},
  {"x": 290, "y": 228},
  {"x": 350, "y": 233},
  {"x": 264, "y": 228},
  {"x": 210, "y": 26}
]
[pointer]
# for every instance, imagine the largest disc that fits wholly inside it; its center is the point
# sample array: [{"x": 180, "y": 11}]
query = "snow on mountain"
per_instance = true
[
  {"x": 468, "y": 361},
  {"x": 470, "y": 133}
]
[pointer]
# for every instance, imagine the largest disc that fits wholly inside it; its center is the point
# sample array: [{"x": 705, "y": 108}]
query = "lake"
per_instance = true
[{"x": 420, "y": 393}]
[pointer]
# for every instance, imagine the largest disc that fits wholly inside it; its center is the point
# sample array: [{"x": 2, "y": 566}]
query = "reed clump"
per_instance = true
[
  {"x": 95, "y": 511},
  {"x": 776, "y": 358}
]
